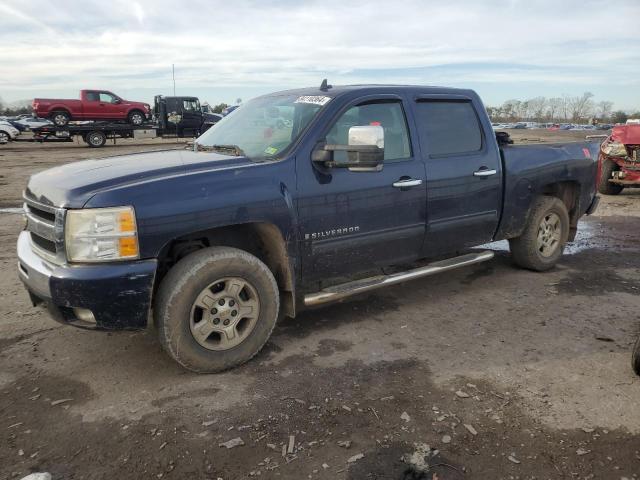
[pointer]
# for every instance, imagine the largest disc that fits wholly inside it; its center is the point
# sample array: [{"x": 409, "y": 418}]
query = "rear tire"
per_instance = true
[
  {"x": 542, "y": 242},
  {"x": 136, "y": 118},
  {"x": 95, "y": 139},
  {"x": 635, "y": 357},
  {"x": 605, "y": 186},
  {"x": 216, "y": 308},
  {"x": 60, "y": 118},
  {"x": 4, "y": 137}
]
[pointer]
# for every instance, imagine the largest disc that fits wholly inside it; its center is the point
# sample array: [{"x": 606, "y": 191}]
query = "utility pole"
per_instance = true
[{"x": 173, "y": 74}]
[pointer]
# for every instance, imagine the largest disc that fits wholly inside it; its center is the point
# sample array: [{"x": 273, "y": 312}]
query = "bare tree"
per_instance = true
[
  {"x": 537, "y": 107},
  {"x": 581, "y": 107},
  {"x": 2, "y": 105},
  {"x": 510, "y": 109},
  {"x": 604, "y": 109},
  {"x": 554, "y": 107}
]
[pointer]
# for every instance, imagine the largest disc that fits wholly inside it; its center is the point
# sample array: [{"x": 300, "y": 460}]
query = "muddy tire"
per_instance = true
[
  {"x": 635, "y": 357},
  {"x": 604, "y": 185},
  {"x": 542, "y": 242},
  {"x": 60, "y": 118},
  {"x": 216, "y": 308}
]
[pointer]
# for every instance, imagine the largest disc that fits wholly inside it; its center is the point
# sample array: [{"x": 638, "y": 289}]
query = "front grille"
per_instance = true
[
  {"x": 44, "y": 244},
  {"x": 41, "y": 214},
  {"x": 45, "y": 225}
]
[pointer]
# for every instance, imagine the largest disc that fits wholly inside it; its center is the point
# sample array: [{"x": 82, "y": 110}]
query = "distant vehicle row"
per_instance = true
[{"x": 550, "y": 126}]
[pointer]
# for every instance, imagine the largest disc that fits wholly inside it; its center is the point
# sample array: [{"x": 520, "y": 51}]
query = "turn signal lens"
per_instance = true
[{"x": 128, "y": 247}]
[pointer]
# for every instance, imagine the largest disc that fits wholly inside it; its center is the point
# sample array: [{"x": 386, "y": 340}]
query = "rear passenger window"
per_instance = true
[{"x": 448, "y": 127}]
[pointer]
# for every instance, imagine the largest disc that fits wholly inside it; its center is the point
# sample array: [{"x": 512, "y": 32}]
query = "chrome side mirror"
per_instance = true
[{"x": 365, "y": 151}]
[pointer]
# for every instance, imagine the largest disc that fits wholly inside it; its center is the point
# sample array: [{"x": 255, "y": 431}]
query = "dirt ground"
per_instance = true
[{"x": 491, "y": 371}]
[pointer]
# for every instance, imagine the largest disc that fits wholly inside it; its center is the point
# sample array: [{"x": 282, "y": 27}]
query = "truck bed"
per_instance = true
[{"x": 527, "y": 167}]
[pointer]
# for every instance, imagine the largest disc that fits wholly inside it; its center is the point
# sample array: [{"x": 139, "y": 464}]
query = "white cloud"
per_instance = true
[{"x": 64, "y": 44}]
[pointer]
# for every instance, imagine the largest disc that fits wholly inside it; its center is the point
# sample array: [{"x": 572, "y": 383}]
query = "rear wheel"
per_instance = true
[
  {"x": 95, "y": 139},
  {"x": 605, "y": 186},
  {"x": 60, "y": 118},
  {"x": 136, "y": 118},
  {"x": 542, "y": 242},
  {"x": 216, "y": 309},
  {"x": 4, "y": 137}
]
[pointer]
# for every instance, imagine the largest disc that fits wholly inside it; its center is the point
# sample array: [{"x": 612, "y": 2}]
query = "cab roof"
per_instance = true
[{"x": 338, "y": 90}]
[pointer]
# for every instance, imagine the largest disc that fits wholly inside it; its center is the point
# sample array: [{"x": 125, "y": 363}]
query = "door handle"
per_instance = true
[
  {"x": 484, "y": 172},
  {"x": 407, "y": 183}
]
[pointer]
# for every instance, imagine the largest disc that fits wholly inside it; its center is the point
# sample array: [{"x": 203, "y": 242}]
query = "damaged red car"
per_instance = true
[{"x": 620, "y": 160}]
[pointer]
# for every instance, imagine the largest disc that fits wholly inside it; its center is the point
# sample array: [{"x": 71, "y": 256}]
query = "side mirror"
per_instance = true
[
  {"x": 117, "y": 101},
  {"x": 365, "y": 151}
]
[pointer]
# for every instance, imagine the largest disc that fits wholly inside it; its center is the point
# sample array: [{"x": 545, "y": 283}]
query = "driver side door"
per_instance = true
[
  {"x": 111, "y": 105},
  {"x": 356, "y": 221}
]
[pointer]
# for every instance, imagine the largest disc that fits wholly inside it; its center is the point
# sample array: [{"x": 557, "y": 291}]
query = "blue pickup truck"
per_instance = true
[{"x": 299, "y": 198}]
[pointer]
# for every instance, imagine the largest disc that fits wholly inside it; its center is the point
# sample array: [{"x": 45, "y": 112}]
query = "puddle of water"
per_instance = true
[{"x": 583, "y": 241}]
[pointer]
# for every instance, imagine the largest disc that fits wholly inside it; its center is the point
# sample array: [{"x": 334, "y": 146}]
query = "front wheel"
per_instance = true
[
  {"x": 4, "y": 137},
  {"x": 542, "y": 242},
  {"x": 216, "y": 308},
  {"x": 604, "y": 185},
  {"x": 136, "y": 118}
]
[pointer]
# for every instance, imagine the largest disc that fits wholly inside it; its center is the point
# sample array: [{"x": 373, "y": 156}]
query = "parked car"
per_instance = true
[
  {"x": 252, "y": 223},
  {"x": 30, "y": 123},
  {"x": 20, "y": 127},
  {"x": 620, "y": 160},
  {"x": 7, "y": 132},
  {"x": 93, "y": 105}
]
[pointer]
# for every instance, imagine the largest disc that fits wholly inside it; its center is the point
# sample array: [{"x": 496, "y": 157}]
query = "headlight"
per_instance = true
[{"x": 101, "y": 234}]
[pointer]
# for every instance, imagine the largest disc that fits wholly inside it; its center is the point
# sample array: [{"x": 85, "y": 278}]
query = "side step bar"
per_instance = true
[{"x": 338, "y": 292}]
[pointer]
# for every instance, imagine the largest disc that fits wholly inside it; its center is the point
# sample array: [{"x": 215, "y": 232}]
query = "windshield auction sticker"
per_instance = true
[{"x": 313, "y": 99}]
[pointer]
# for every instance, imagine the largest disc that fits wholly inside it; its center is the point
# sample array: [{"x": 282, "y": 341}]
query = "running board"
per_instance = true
[{"x": 344, "y": 290}]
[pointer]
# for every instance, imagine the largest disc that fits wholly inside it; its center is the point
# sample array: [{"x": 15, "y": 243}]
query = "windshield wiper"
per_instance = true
[{"x": 226, "y": 149}]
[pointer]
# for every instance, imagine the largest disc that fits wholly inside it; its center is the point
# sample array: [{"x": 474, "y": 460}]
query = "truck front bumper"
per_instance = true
[{"x": 117, "y": 295}]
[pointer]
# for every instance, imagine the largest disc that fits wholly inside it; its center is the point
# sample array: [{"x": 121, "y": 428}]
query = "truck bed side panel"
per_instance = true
[{"x": 530, "y": 169}]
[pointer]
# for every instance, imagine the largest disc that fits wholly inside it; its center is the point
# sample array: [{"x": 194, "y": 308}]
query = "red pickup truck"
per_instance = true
[{"x": 93, "y": 105}]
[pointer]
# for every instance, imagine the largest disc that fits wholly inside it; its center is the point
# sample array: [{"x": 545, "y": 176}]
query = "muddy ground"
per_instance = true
[{"x": 495, "y": 372}]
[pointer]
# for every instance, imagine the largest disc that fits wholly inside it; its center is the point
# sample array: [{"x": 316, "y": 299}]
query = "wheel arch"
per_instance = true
[
  {"x": 262, "y": 239},
  {"x": 59, "y": 108},
  {"x": 135, "y": 109}
]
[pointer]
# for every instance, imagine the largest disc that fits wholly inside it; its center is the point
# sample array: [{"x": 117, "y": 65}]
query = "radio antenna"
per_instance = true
[{"x": 324, "y": 86}]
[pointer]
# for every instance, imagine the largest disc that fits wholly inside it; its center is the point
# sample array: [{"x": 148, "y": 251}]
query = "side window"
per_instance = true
[
  {"x": 106, "y": 97},
  {"x": 190, "y": 105},
  {"x": 448, "y": 127},
  {"x": 92, "y": 96},
  {"x": 389, "y": 115}
]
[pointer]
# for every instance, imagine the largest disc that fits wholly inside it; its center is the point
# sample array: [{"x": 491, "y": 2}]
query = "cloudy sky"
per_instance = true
[{"x": 223, "y": 50}]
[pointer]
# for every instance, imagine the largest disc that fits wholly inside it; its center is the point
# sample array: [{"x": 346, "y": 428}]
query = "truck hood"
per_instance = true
[{"x": 72, "y": 185}]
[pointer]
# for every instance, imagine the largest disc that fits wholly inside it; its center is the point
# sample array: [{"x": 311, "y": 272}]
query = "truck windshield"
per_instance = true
[{"x": 265, "y": 127}]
